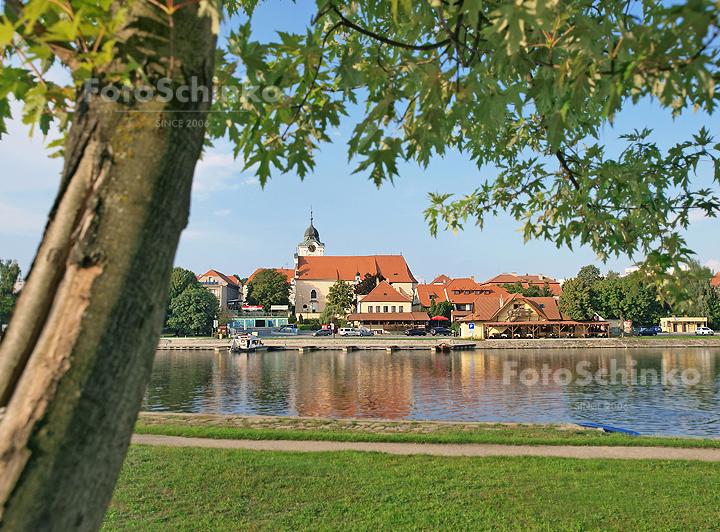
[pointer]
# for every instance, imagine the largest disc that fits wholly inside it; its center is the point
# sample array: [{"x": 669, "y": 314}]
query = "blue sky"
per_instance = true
[{"x": 237, "y": 227}]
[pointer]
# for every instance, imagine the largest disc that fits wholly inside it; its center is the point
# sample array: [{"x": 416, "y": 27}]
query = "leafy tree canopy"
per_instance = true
[
  {"x": 440, "y": 308},
  {"x": 525, "y": 87},
  {"x": 269, "y": 287},
  {"x": 577, "y": 301},
  {"x": 368, "y": 283},
  {"x": 340, "y": 298},
  {"x": 9, "y": 272},
  {"x": 590, "y": 274},
  {"x": 180, "y": 280},
  {"x": 193, "y": 311}
]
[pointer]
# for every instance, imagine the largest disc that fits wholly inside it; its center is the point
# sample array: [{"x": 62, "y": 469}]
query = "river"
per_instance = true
[{"x": 664, "y": 391}]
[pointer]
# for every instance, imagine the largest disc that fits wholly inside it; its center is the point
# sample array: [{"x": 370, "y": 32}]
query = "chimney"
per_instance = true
[
  {"x": 540, "y": 276},
  {"x": 514, "y": 273},
  {"x": 472, "y": 277}
]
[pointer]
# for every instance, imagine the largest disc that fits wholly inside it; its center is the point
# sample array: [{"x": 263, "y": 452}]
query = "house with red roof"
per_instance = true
[
  {"x": 226, "y": 288},
  {"x": 386, "y": 308},
  {"x": 460, "y": 292},
  {"x": 517, "y": 316},
  {"x": 539, "y": 280}
]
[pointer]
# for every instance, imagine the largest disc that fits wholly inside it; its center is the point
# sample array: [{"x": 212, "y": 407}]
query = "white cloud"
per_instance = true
[
  {"x": 714, "y": 265},
  {"x": 224, "y": 212}
]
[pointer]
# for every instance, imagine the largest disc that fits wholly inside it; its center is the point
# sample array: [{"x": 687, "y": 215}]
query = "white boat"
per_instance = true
[{"x": 245, "y": 342}]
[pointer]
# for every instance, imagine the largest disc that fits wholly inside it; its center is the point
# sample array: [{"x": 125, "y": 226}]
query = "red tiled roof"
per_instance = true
[
  {"x": 537, "y": 280},
  {"x": 424, "y": 291},
  {"x": 487, "y": 308},
  {"x": 715, "y": 281},
  {"x": 441, "y": 279},
  {"x": 392, "y": 267},
  {"x": 290, "y": 274},
  {"x": 495, "y": 291},
  {"x": 389, "y": 316},
  {"x": 462, "y": 285},
  {"x": 228, "y": 280},
  {"x": 547, "y": 306},
  {"x": 384, "y": 292}
]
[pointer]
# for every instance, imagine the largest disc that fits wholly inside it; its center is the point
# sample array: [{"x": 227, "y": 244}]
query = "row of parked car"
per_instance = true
[{"x": 349, "y": 331}]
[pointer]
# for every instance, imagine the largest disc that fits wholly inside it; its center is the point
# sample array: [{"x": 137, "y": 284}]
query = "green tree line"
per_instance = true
[{"x": 636, "y": 297}]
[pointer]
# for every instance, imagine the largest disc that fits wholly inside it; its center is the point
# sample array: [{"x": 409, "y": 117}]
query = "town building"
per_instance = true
[
  {"x": 517, "y": 316},
  {"x": 682, "y": 324},
  {"x": 460, "y": 292},
  {"x": 316, "y": 272},
  {"x": 226, "y": 288},
  {"x": 715, "y": 281},
  {"x": 387, "y": 309},
  {"x": 539, "y": 281}
]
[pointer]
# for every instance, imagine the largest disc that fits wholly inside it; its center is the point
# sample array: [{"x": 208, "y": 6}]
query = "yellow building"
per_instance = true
[
  {"x": 387, "y": 309},
  {"x": 677, "y": 324}
]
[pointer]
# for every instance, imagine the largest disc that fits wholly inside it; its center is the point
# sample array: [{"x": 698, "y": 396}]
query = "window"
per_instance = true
[
  {"x": 487, "y": 292},
  {"x": 477, "y": 292},
  {"x": 392, "y": 309},
  {"x": 377, "y": 309},
  {"x": 313, "y": 294},
  {"x": 385, "y": 308},
  {"x": 457, "y": 292},
  {"x": 401, "y": 309},
  {"x": 467, "y": 292}
]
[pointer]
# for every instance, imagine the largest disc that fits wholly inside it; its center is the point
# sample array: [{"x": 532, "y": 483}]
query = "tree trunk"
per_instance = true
[{"x": 77, "y": 355}]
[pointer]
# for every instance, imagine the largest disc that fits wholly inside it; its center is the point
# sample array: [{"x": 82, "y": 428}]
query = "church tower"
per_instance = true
[{"x": 311, "y": 245}]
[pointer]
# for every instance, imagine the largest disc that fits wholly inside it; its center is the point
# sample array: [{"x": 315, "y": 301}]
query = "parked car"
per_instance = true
[
  {"x": 348, "y": 331},
  {"x": 647, "y": 331},
  {"x": 440, "y": 331},
  {"x": 322, "y": 332},
  {"x": 287, "y": 329},
  {"x": 704, "y": 330},
  {"x": 366, "y": 332},
  {"x": 415, "y": 332},
  {"x": 657, "y": 329}
]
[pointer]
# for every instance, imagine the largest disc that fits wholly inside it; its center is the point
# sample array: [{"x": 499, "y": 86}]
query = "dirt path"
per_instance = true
[{"x": 655, "y": 453}]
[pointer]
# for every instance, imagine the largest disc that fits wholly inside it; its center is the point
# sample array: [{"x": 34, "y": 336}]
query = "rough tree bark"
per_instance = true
[{"x": 77, "y": 355}]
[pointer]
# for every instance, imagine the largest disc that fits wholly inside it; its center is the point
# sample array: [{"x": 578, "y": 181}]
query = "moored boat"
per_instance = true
[{"x": 245, "y": 342}]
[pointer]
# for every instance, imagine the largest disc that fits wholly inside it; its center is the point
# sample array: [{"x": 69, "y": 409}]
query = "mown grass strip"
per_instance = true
[
  {"x": 194, "y": 489},
  {"x": 491, "y": 435}
]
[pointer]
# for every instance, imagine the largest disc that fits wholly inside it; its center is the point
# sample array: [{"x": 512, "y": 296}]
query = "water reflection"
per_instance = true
[{"x": 663, "y": 391}]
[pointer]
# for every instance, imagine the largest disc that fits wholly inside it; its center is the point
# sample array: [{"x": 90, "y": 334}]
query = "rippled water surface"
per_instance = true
[{"x": 664, "y": 391}]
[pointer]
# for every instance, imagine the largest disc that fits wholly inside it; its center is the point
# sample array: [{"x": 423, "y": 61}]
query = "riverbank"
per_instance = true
[
  {"x": 165, "y": 488},
  {"x": 232, "y": 427},
  {"x": 392, "y": 342}
]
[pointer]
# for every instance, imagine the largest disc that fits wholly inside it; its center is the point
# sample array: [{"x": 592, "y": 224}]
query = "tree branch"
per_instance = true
[
  {"x": 424, "y": 47},
  {"x": 62, "y": 51},
  {"x": 566, "y": 169}
]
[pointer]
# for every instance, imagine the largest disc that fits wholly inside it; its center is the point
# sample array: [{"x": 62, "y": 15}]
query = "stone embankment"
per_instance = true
[{"x": 392, "y": 342}]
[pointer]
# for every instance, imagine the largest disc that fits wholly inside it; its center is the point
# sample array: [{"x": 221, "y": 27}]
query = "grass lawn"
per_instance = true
[
  {"x": 195, "y": 489},
  {"x": 229, "y": 427}
]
